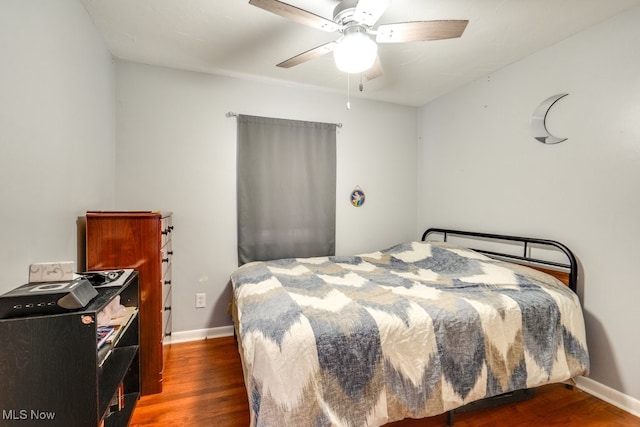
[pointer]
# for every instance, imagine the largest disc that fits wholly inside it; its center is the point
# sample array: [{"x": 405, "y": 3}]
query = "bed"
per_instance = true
[{"x": 410, "y": 331}]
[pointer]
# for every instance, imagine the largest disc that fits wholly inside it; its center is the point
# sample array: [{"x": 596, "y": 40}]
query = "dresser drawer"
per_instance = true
[
  {"x": 166, "y": 228},
  {"x": 166, "y": 255},
  {"x": 166, "y": 292},
  {"x": 166, "y": 317}
]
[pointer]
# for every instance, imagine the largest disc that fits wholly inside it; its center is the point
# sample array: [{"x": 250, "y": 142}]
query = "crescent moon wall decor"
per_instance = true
[{"x": 538, "y": 121}]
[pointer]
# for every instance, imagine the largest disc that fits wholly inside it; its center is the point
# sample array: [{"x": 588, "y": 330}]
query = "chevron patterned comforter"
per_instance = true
[{"x": 411, "y": 331}]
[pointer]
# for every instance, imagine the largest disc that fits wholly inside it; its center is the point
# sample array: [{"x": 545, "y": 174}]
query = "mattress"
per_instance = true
[{"x": 414, "y": 330}]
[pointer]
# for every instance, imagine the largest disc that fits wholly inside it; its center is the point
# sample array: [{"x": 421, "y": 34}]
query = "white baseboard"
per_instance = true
[
  {"x": 199, "y": 334},
  {"x": 609, "y": 395}
]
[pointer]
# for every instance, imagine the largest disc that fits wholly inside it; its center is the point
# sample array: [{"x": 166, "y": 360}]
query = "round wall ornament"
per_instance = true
[{"x": 357, "y": 197}]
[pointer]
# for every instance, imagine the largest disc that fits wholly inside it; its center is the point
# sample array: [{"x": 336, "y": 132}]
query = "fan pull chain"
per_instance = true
[{"x": 348, "y": 91}]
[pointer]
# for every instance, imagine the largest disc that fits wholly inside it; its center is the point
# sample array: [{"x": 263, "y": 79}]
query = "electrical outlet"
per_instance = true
[{"x": 201, "y": 300}]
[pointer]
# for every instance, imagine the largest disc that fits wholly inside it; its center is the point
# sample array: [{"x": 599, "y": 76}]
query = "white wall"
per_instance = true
[
  {"x": 482, "y": 170},
  {"x": 176, "y": 151},
  {"x": 56, "y": 131}
]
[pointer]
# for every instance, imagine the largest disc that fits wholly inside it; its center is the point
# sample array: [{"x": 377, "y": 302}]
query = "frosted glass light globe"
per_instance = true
[{"x": 355, "y": 53}]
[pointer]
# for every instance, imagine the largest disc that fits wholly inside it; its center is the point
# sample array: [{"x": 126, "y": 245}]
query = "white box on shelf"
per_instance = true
[{"x": 61, "y": 271}]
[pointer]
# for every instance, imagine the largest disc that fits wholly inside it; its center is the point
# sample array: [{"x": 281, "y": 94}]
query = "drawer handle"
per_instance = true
[
  {"x": 167, "y": 308},
  {"x": 165, "y": 259},
  {"x": 167, "y": 282},
  {"x": 167, "y": 334},
  {"x": 165, "y": 232},
  {"x": 170, "y": 252}
]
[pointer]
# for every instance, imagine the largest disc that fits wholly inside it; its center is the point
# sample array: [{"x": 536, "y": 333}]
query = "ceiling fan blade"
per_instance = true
[
  {"x": 296, "y": 14},
  {"x": 375, "y": 71},
  {"x": 308, "y": 55},
  {"x": 420, "y": 31},
  {"x": 369, "y": 11}
]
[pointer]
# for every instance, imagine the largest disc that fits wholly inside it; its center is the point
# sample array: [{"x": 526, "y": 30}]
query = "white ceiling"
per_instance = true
[{"x": 231, "y": 37}]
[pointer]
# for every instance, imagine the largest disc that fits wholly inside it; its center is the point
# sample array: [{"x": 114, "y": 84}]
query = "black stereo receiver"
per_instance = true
[{"x": 46, "y": 298}]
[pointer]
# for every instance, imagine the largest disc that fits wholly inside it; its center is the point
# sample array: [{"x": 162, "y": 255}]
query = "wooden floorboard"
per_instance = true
[{"x": 204, "y": 386}]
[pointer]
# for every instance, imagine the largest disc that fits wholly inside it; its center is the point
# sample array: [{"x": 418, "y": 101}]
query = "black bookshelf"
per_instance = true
[{"x": 52, "y": 373}]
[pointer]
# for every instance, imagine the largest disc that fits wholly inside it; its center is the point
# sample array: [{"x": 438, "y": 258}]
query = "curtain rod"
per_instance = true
[{"x": 232, "y": 114}]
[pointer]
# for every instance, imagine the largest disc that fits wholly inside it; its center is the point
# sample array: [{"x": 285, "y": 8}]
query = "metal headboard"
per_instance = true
[{"x": 571, "y": 266}]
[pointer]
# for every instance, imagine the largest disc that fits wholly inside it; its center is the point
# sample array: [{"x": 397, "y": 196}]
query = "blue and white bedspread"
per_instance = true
[{"x": 411, "y": 331}]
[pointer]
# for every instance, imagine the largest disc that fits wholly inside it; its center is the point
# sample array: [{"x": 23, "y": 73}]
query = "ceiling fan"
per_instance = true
[{"x": 356, "y": 51}]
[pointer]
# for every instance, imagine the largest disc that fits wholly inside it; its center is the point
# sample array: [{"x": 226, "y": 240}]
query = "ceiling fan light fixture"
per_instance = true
[{"x": 355, "y": 53}]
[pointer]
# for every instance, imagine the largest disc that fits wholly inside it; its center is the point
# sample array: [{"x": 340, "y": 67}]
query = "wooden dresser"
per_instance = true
[{"x": 142, "y": 241}]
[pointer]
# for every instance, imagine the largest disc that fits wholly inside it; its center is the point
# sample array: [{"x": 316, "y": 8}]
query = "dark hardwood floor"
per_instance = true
[{"x": 203, "y": 385}]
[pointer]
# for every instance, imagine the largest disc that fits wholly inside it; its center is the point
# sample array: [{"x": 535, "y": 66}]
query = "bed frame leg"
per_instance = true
[{"x": 450, "y": 418}]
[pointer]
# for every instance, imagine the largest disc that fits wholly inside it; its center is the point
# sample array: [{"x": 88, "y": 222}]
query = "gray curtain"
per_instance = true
[{"x": 286, "y": 183}]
